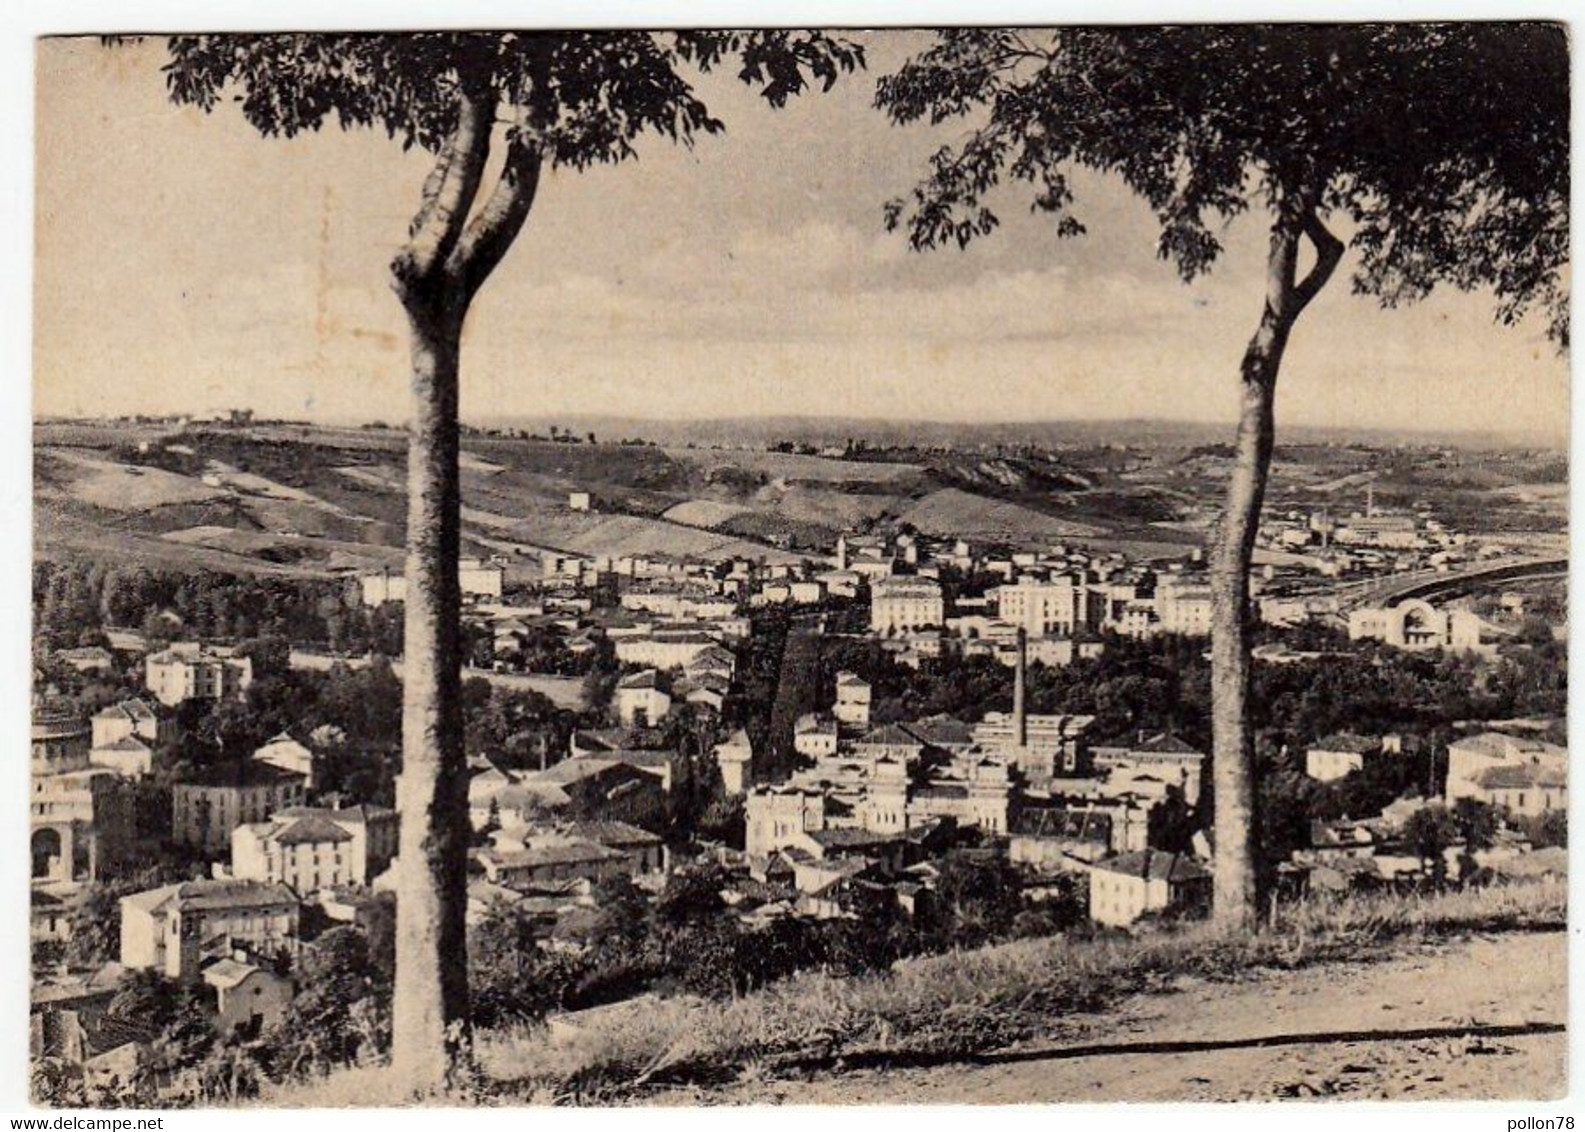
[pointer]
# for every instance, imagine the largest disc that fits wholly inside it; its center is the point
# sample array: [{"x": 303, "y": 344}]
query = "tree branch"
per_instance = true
[
  {"x": 1328, "y": 251},
  {"x": 449, "y": 191},
  {"x": 498, "y": 222}
]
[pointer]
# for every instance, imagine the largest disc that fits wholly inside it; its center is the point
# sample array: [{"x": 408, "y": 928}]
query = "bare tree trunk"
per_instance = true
[
  {"x": 1236, "y": 900},
  {"x": 431, "y": 987}
]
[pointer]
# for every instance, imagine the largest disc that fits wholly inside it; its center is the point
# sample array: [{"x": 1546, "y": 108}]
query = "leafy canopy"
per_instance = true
[
  {"x": 1445, "y": 146},
  {"x": 580, "y": 98}
]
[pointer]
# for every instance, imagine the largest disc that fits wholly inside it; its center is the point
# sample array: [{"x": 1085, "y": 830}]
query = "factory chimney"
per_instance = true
[{"x": 1020, "y": 716}]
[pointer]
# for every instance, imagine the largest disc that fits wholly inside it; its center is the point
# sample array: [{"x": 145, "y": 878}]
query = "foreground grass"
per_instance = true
[{"x": 938, "y": 1007}]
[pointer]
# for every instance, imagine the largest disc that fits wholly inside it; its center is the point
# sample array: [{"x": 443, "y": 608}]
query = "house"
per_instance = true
[
  {"x": 815, "y": 735},
  {"x": 191, "y": 671},
  {"x": 289, "y": 755},
  {"x": 129, "y": 756},
  {"x": 1122, "y": 889},
  {"x": 309, "y": 849},
  {"x": 588, "y": 789},
  {"x": 105, "y": 1046},
  {"x": 1525, "y": 776},
  {"x": 171, "y": 929},
  {"x": 551, "y": 861},
  {"x": 579, "y": 501},
  {"x": 1340, "y": 755},
  {"x": 646, "y": 852},
  {"x": 207, "y": 807},
  {"x": 90, "y": 659},
  {"x": 735, "y": 757},
  {"x": 248, "y": 996},
  {"x": 131, "y": 719},
  {"x": 640, "y": 700}
]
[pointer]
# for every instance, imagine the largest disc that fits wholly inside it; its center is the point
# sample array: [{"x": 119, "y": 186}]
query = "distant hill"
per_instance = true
[{"x": 1140, "y": 433}]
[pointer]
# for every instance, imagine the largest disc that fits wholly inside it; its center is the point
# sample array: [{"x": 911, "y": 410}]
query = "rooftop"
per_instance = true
[{"x": 1154, "y": 864}]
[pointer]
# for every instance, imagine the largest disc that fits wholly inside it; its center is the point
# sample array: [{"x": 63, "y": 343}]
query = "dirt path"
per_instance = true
[{"x": 1470, "y": 1019}]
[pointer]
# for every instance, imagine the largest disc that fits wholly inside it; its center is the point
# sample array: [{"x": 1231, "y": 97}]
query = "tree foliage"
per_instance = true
[{"x": 1444, "y": 147}]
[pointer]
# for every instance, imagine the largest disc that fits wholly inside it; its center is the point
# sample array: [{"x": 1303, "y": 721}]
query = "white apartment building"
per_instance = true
[
  {"x": 1043, "y": 609},
  {"x": 906, "y": 605},
  {"x": 191, "y": 671},
  {"x": 309, "y": 849}
]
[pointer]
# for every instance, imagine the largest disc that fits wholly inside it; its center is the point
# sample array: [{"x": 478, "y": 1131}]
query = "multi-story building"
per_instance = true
[
  {"x": 1043, "y": 609},
  {"x": 80, "y": 816},
  {"x": 852, "y": 707},
  {"x": 1525, "y": 776},
  {"x": 1183, "y": 605},
  {"x": 1164, "y": 758},
  {"x": 905, "y": 605},
  {"x": 191, "y": 671},
  {"x": 174, "y": 928},
  {"x": 670, "y": 649},
  {"x": 205, "y": 809},
  {"x": 775, "y": 815},
  {"x": 309, "y": 849}
]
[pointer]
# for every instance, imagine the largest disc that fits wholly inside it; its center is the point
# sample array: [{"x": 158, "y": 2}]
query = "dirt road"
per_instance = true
[{"x": 1473, "y": 1019}]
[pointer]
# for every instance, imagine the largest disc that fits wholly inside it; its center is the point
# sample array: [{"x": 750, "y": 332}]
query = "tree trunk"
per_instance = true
[
  {"x": 1232, "y": 752},
  {"x": 431, "y": 985},
  {"x": 1237, "y": 896}
]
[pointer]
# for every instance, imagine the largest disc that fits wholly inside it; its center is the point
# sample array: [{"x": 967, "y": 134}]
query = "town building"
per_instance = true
[
  {"x": 815, "y": 735},
  {"x": 735, "y": 757},
  {"x": 1338, "y": 756},
  {"x": 174, "y": 928},
  {"x": 476, "y": 578},
  {"x": 1122, "y": 889},
  {"x": 131, "y": 719},
  {"x": 1165, "y": 758},
  {"x": 207, "y": 807},
  {"x": 80, "y": 815},
  {"x": 1043, "y": 609},
  {"x": 190, "y": 671},
  {"x": 903, "y": 605},
  {"x": 248, "y": 996},
  {"x": 1526, "y": 777},
  {"x": 313, "y": 848},
  {"x": 853, "y": 695},
  {"x": 1414, "y": 624},
  {"x": 640, "y": 700},
  {"x": 286, "y": 753}
]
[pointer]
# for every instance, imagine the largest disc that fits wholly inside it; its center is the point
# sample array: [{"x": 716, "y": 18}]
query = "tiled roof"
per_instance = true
[
  {"x": 313, "y": 830},
  {"x": 1167, "y": 744},
  {"x": 1351, "y": 744},
  {"x": 1154, "y": 864},
  {"x": 890, "y": 735},
  {"x": 1519, "y": 776}
]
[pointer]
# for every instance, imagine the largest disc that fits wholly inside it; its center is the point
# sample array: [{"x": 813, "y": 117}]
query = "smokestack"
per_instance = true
[{"x": 1020, "y": 718}]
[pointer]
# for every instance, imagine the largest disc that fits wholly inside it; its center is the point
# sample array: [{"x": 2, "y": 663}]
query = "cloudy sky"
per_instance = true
[{"x": 185, "y": 264}]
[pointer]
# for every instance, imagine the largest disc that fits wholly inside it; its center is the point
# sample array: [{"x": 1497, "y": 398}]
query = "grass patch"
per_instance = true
[{"x": 938, "y": 1007}]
